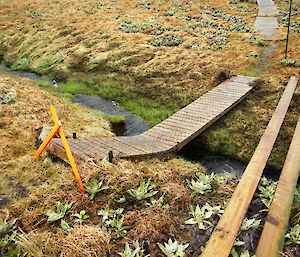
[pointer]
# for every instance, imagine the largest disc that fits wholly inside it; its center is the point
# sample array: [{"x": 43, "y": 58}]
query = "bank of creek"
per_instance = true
[{"x": 135, "y": 125}]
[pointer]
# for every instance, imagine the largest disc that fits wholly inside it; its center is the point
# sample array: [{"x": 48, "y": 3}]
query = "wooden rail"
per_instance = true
[
  {"x": 223, "y": 236},
  {"x": 171, "y": 134},
  {"x": 280, "y": 209}
]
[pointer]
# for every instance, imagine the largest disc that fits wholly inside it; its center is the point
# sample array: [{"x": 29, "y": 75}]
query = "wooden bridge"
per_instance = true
[{"x": 171, "y": 134}]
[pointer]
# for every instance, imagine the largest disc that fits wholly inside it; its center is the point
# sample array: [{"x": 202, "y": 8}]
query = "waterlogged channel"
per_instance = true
[{"x": 135, "y": 125}]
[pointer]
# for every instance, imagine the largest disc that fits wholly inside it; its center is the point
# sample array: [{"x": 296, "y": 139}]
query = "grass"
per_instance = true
[
  {"x": 35, "y": 186},
  {"x": 150, "y": 110},
  {"x": 23, "y": 63},
  {"x": 203, "y": 38}
]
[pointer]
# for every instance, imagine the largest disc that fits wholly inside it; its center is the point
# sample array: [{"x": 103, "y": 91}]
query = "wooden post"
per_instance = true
[
  {"x": 280, "y": 209},
  {"x": 288, "y": 31},
  {"x": 223, "y": 237},
  {"x": 58, "y": 128},
  {"x": 47, "y": 140}
]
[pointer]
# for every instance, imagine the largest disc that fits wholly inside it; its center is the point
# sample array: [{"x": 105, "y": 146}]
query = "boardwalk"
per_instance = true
[
  {"x": 266, "y": 23},
  {"x": 171, "y": 134}
]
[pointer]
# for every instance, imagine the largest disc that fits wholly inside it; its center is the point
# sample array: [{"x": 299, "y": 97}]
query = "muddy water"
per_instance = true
[{"x": 133, "y": 125}]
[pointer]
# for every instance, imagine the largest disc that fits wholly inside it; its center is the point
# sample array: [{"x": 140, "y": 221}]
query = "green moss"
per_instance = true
[
  {"x": 221, "y": 141},
  {"x": 47, "y": 86},
  {"x": 74, "y": 87},
  {"x": 22, "y": 63},
  {"x": 42, "y": 66},
  {"x": 116, "y": 119},
  {"x": 150, "y": 110}
]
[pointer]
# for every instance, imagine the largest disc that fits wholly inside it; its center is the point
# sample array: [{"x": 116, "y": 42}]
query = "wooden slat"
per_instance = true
[
  {"x": 280, "y": 209},
  {"x": 222, "y": 239},
  {"x": 148, "y": 144}
]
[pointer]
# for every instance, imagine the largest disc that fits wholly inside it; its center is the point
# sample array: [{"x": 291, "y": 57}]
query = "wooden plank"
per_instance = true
[
  {"x": 243, "y": 79},
  {"x": 169, "y": 141},
  {"x": 228, "y": 92},
  {"x": 98, "y": 147},
  {"x": 174, "y": 132},
  {"x": 176, "y": 126},
  {"x": 280, "y": 209},
  {"x": 222, "y": 239},
  {"x": 111, "y": 144},
  {"x": 211, "y": 103},
  {"x": 171, "y": 136},
  {"x": 139, "y": 142},
  {"x": 146, "y": 143},
  {"x": 184, "y": 120},
  {"x": 164, "y": 135},
  {"x": 194, "y": 115}
]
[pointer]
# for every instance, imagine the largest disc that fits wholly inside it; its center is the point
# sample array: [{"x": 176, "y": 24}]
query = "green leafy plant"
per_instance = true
[
  {"x": 7, "y": 226},
  {"x": 95, "y": 187},
  {"x": 201, "y": 215},
  {"x": 245, "y": 254},
  {"x": 9, "y": 97},
  {"x": 293, "y": 237},
  {"x": 23, "y": 63},
  {"x": 201, "y": 185},
  {"x": 267, "y": 193},
  {"x": 233, "y": 251},
  {"x": 113, "y": 219},
  {"x": 35, "y": 14},
  {"x": 253, "y": 54},
  {"x": 137, "y": 251},
  {"x": 260, "y": 42},
  {"x": 166, "y": 41},
  {"x": 249, "y": 224},
  {"x": 143, "y": 191},
  {"x": 61, "y": 211},
  {"x": 8, "y": 238},
  {"x": 64, "y": 225},
  {"x": 158, "y": 202},
  {"x": 109, "y": 214},
  {"x": 119, "y": 227},
  {"x": 81, "y": 216},
  {"x": 173, "y": 249},
  {"x": 290, "y": 63},
  {"x": 130, "y": 27},
  {"x": 121, "y": 199}
]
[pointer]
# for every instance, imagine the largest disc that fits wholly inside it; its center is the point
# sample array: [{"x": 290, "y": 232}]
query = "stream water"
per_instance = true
[{"x": 134, "y": 125}]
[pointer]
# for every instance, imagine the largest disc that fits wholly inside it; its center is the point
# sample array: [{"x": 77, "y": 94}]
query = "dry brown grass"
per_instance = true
[
  {"x": 88, "y": 31},
  {"x": 71, "y": 40},
  {"x": 83, "y": 240}
]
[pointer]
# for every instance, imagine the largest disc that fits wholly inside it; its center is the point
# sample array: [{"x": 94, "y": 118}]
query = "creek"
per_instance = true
[{"x": 135, "y": 125}]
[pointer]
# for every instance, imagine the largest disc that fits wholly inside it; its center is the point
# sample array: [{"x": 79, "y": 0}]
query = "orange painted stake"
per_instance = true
[
  {"x": 58, "y": 128},
  {"x": 46, "y": 142}
]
